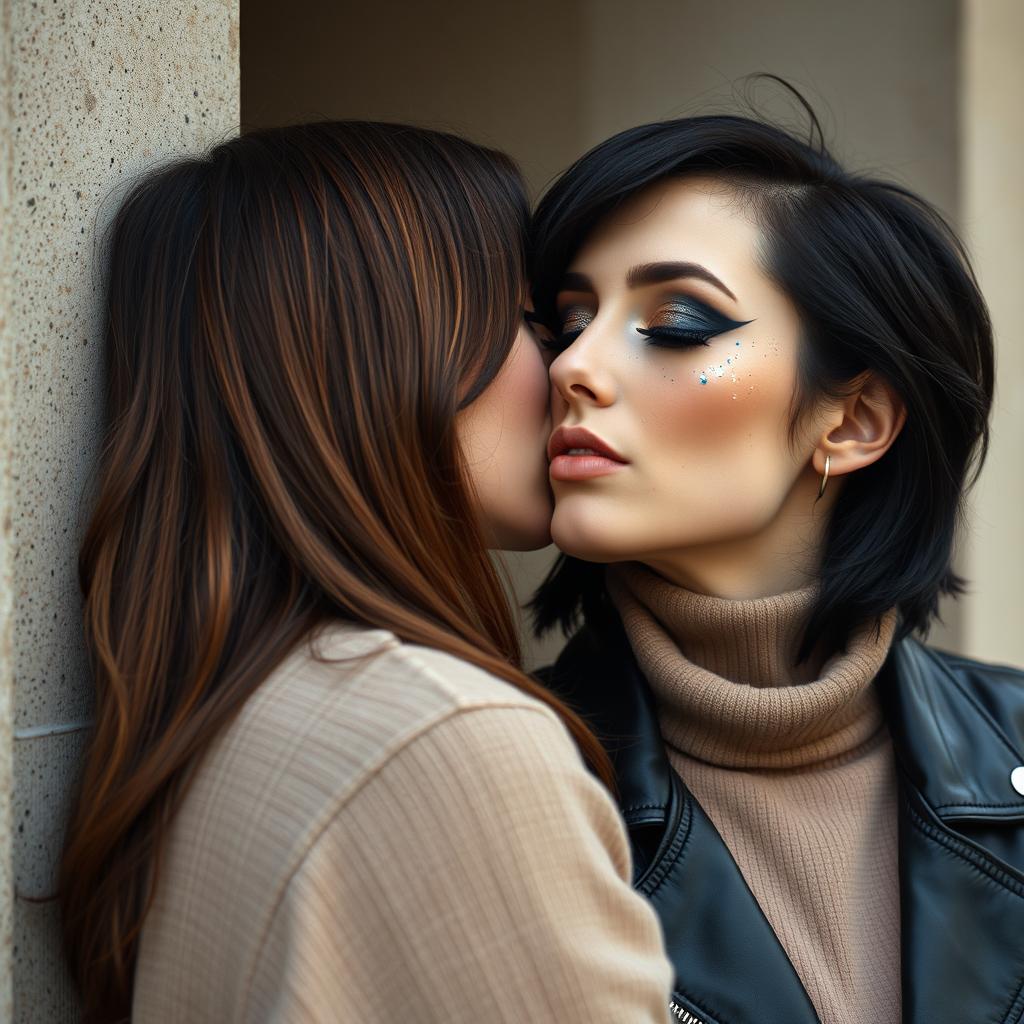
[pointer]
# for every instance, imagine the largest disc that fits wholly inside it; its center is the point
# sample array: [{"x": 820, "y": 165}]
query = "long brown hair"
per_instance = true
[{"x": 293, "y": 321}]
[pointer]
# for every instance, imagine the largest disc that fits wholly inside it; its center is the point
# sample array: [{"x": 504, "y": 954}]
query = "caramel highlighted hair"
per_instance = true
[{"x": 292, "y": 323}]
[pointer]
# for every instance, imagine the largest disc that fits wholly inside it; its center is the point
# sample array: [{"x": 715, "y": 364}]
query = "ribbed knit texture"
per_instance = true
[
  {"x": 395, "y": 835},
  {"x": 795, "y": 768}
]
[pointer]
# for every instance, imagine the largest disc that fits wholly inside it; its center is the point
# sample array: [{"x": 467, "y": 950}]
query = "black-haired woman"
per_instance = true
[{"x": 772, "y": 390}]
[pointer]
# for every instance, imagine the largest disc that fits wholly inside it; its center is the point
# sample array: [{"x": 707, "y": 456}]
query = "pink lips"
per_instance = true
[{"x": 577, "y": 454}]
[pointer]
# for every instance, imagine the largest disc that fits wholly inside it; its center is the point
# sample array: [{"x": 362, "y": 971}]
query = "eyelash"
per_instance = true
[
  {"x": 667, "y": 336},
  {"x": 677, "y": 337}
]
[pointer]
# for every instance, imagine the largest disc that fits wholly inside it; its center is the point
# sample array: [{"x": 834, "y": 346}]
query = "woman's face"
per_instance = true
[
  {"x": 681, "y": 356},
  {"x": 504, "y": 433}
]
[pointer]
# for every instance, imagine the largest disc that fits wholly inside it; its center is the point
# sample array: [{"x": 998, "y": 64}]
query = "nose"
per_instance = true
[{"x": 580, "y": 375}]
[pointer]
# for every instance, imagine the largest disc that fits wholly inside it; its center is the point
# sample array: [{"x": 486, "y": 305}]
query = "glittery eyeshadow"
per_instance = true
[
  {"x": 575, "y": 318},
  {"x": 687, "y": 313}
]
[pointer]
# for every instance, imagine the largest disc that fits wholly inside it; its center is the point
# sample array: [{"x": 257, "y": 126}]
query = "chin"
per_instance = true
[
  {"x": 590, "y": 537},
  {"x": 526, "y": 540},
  {"x": 529, "y": 531}
]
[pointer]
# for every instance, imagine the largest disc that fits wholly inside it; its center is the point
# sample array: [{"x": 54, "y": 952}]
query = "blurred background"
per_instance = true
[
  {"x": 928, "y": 92},
  {"x": 917, "y": 90}
]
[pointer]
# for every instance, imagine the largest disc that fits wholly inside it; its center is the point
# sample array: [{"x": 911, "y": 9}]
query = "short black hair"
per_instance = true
[{"x": 881, "y": 283}]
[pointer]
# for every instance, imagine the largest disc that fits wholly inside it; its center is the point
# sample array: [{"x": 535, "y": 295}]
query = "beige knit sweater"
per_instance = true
[
  {"x": 397, "y": 836},
  {"x": 794, "y": 767}
]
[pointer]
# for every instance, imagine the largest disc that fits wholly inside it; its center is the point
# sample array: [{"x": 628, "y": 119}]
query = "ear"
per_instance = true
[{"x": 861, "y": 427}]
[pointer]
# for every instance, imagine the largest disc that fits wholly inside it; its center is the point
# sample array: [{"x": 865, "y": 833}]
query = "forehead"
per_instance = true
[{"x": 698, "y": 219}]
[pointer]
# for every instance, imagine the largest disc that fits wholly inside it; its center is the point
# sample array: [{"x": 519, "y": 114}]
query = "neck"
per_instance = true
[{"x": 783, "y": 556}]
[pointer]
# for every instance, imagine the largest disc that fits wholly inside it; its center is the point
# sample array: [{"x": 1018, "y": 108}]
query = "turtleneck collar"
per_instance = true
[{"x": 725, "y": 678}]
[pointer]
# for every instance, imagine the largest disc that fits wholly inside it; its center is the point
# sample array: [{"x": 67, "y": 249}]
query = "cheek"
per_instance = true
[
  {"x": 513, "y": 413},
  {"x": 528, "y": 386},
  {"x": 511, "y": 424},
  {"x": 713, "y": 426},
  {"x": 714, "y": 397}
]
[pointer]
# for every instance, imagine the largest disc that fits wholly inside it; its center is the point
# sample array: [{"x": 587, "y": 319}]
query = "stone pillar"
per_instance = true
[{"x": 91, "y": 93}]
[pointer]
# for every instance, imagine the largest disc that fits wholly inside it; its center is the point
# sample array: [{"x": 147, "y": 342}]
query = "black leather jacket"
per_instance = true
[{"x": 958, "y": 730}]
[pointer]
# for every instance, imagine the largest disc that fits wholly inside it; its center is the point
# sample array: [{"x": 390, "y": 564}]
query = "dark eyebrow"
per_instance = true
[
  {"x": 649, "y": 273},
  {"x": 656, "y": 273}
]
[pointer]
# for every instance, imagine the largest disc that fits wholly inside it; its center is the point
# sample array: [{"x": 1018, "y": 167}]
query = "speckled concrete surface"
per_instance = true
[
  {"x": 96, "y": 92},
  {"x": 6, "y": 482}
]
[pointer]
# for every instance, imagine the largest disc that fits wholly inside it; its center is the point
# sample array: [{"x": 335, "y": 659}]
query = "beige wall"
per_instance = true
[
  {"x": 478, "y": 68},
  {"x": 545, "y": 81},
  {"x": 92, "y": 92},
  {"x": 882, "y": 76},
  {"x": 992, "y": 216}
]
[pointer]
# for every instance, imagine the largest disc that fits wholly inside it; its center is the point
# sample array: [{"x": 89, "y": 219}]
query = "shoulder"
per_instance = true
[
  {"x": 446, "y": 724},
  {"x": 995, "y": 691},
  {"x": 345, "y": 702},
  {"x": 455, "y": 758},
  {"x": 379, "y": 654},
  {"x": 352, "y": 728},
  {"x": 970, "y": 672},
  {"x": 975, "y": 668},
  {"x": 484, "y": 833},
  {"x": 363, "y": 693}
]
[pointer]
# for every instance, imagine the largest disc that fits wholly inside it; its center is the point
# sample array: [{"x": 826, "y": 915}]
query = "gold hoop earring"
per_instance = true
[{"x": 824, "y": 480}]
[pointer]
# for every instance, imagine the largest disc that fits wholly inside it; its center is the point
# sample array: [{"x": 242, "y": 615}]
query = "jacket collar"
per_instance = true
[
  {"x": 730, "y": 965},
  {"x": 950, "y": 746},
  {"x": 962, "y": 909},
  {"x": 937, "y": 724},
  {"x": 598, "y": 676}
]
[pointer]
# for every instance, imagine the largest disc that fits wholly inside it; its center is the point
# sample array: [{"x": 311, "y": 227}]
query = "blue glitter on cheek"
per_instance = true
[{"x": 703, "y": 378}]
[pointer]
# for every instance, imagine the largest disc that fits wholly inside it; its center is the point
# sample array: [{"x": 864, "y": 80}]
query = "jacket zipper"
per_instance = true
[{"x": 682, "y": 1014}]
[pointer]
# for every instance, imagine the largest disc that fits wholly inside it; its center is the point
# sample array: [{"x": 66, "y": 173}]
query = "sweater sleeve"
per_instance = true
[{"x": 481, "y": 873}]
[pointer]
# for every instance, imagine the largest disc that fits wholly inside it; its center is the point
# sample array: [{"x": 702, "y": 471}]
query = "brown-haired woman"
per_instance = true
[{"x": 318, "y": 786}]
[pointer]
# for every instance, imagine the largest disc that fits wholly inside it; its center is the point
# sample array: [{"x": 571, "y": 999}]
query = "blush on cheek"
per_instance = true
[
  {"x": 525, "y": 400},
  {"x": 717, "y": 447},
  {"x": 703, "y": 417},
  {"x": 531, "y": 386},
  {"x": 737, "y": 373},
  {"x": 522, "y": 440}
]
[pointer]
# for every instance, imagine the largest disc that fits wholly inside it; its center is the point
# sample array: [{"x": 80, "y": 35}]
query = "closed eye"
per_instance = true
[
  {"x": 684, "y": 321},
  {"x": 575, "y": 320},
  {"x": 679, "y": 323},
  {"x": 669, "y": 337}
]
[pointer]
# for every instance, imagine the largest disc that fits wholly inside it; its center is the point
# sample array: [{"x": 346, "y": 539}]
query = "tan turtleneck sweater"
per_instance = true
[{"x": 795, "y": 769}]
